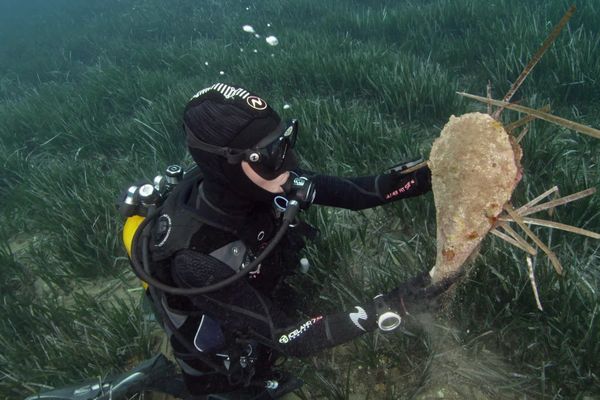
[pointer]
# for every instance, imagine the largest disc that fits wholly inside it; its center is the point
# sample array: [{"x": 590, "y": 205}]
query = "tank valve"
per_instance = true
[
  {"x": 130, "y": 205},
  {"x": 148, "y": 195},
  {"x": 160, "y": 184},
  {"x": 174, "y": 174}
]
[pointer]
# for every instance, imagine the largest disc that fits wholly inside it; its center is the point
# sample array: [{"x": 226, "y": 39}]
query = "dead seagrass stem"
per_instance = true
[
  {"x": 513, "y": 237},
  {"x": 525, "y": 120},
  {"x": 539, "y": 198},
  {"x": 587, "y": 130},
  {"x": 522, "y": 242},
  {"x": 522, "y": 134},
  {"x": 489, "y": 96},
  {"x": 558, "y": 202},
  {"x": 536, "y": 58},
  {"x": 519, "y": 220},
  {"x": 557, "y": 225},
  {"x": 533, "y": 284},
  {"x": 514, "y": 242}
]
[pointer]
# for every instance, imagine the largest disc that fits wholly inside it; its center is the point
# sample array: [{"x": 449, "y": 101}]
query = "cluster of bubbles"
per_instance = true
[
  {"x": 271, "y": 40},
  {"x": 220, "y": 72}
]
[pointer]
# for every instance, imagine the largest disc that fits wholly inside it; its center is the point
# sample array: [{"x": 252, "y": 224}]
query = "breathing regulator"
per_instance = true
[{"x": 142, "y": 205}]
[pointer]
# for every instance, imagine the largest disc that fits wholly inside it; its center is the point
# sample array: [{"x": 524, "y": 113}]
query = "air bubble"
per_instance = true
[{"x": 272, "y": 40}]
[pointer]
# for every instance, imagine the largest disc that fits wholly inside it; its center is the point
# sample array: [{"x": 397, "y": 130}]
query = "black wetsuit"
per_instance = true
[{"x": 254, "y": 308}]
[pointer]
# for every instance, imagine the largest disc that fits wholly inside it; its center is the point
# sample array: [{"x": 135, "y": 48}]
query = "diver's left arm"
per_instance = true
[{"x": 359, "y": 193}]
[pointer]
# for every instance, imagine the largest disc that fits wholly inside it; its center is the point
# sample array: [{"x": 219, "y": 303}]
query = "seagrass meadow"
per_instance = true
[{"x": 91, "y": 97}]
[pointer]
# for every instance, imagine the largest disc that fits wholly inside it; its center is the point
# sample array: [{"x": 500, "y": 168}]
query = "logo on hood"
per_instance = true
[{"x": 256, "y": 102}]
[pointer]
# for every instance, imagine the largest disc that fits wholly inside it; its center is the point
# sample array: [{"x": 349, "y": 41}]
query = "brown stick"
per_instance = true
[
  {"x": 522, "y": 134},
  {"x": 510, "y": 240},
  {"x": 489, "y": 96},
  {"x": 559, "y": 202},
  {"x": 526, "y": 119},
  {"x": 528, "y": 248},
  {"x": 533, "y": 284},
  {"x": 537, "y": 57},
  {"x": 537, "y": 200},
  {"x": 517, "y": 218},
  {"x": 587, "y": 130},
  {"x": 551, "y": 211},
  {"x": 557, "y": 225}
]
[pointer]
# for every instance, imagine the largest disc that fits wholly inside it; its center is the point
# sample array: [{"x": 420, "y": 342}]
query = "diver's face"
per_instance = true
[{"x": 272, "y": 186}]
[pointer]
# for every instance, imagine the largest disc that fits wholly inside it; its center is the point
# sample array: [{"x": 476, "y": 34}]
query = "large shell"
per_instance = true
[{"x": 475, "y": 168}]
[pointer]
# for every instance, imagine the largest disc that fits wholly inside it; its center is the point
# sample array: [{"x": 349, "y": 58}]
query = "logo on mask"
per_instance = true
[{"x": 256, "y": 102}]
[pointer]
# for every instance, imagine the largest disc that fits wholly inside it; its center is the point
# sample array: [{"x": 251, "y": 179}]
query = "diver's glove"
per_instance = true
[
  {"x": 413, "y": 295},
  {"x": 394, "y": 185}
]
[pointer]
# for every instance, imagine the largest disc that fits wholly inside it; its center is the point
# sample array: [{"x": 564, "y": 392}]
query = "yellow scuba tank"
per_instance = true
[
  {"x": 133, "y": 208},
  {"x": 138, "y": 200},
  {"x": 129, "y": 228},
  {"x": 130, "y": 208}
]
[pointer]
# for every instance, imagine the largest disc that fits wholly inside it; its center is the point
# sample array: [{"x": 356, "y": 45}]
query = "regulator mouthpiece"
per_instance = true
[
  {"x": 301, "y": 189},
  {"x": 300, "y": 193}
]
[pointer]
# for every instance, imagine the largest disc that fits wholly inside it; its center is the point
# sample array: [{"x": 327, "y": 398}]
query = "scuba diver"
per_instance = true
[{"x": 215, "y": 244}]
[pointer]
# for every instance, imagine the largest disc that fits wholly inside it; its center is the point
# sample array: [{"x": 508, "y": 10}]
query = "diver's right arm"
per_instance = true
[
  {"x": 358, "y": 193},
  {"x": 240, "y": 307}
]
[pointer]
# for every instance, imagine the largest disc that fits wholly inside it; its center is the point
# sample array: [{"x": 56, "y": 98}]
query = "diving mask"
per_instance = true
[
  {"x": 273, "y": 155},
  {"x": 270, "y": 157}
]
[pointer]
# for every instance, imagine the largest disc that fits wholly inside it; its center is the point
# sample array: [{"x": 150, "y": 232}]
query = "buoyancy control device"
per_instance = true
[{"x": 141, "y": 206}]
